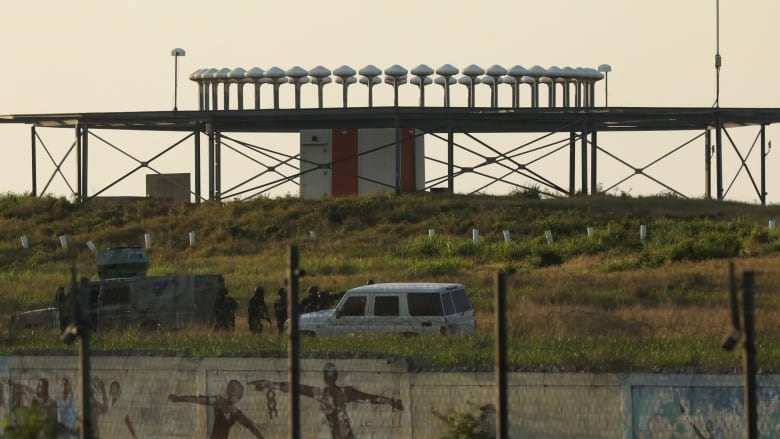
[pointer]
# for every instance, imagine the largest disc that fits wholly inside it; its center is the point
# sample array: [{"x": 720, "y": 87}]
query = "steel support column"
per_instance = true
[
  {"x": 85, "y": 163},
  {"x": 397, "y": 155},
  {"x": 593, "y": 171},
  {"x": 210, "y": 134},
  {"x": 450, "y": 161},
  {"x": 763, "y": 165},
  {"x": 718, "y": 157},
  {"x": 78, "y": 162},
  {"x": 572, "y": 161},
  {"x": 707, "y": 164},
  {"x": 34, "y": 162},
  {"x": 197, "y": 163},
  {"x": 584, "y": 155},
  {"x": 218, "y": 165}
]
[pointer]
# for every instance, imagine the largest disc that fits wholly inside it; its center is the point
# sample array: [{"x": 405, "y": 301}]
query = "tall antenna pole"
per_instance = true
[{"x": 717, "y": 54}]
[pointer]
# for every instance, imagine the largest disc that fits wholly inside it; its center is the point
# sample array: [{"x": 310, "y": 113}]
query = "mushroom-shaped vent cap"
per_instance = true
[
  {"x": 473, "y": 70},
  {"x": 537, "y": 71},
  {"x": 350, "y": 80},
  {"x": 447, "y": 70},
  {"x": 255, "y": 73},
  {"x": 274, "y": 73},
  {"x": 496, "y": 70},
  {"x": 237, "y": 73},
  {"x": 422, "y": 70},
  {"x": 296, "y": 72},
  {"x": 344, "y": 71},
  {"x": 518, "y": 70},
  {"x": 396, "y": 71},
  {"x": 195, "y": 75},
  {"x": 319, "y": 72},
  {"x": 416, "y": 80},
  {"x": 554, "y": 72},
  {"x": 374, "y": 80},
  {"x": 440, "y": 80},
  {"x": 370, "y": 70},
  {"x": 466, "y": 80}
]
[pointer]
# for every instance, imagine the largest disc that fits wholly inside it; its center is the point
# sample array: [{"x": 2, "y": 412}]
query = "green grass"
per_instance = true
[{"x": 605, "y": 301}]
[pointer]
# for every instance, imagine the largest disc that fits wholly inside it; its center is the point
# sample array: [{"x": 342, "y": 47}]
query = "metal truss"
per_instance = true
[{"x": 564, "y": 139}]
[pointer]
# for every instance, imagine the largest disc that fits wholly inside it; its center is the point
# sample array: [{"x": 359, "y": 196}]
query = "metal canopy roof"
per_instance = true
[{"x": 435, "y": 119}]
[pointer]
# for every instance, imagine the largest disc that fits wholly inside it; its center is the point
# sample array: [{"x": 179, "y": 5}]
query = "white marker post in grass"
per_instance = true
[
  {"x": 475, "y": 235},
  {"x": 548, "y": 234}
]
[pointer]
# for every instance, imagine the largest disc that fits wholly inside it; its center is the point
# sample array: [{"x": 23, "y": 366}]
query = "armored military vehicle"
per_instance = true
[{"x": 124, "y": 296}]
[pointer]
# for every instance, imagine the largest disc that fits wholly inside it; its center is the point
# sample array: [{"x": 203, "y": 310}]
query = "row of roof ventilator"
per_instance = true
[{"x": 582, "y": 78}]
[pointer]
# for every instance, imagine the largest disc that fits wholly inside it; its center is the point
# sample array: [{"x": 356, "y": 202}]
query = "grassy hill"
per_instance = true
[{"x": 604, "y": 300}]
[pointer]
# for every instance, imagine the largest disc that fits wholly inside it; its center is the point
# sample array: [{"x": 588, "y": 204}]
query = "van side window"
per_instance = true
[
  {"x": 449, "y": 307},
  {"x": 461, "y": 299},
  {"x": 354, "y": 306},
  {"x": 424, "y": 304},
  {"x": 386, "y": 306}
]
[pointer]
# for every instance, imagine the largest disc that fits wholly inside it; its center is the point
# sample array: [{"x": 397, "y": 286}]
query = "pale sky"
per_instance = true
[{"x": 95, "y": 56}]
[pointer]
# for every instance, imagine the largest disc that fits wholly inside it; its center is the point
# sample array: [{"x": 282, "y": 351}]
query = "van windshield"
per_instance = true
[
  {"x": 461, "y": 299},
  {"x": 424, "y": 304}
]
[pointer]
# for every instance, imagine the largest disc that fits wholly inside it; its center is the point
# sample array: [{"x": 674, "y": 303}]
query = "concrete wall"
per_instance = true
[{"x": 180, "y": 397}]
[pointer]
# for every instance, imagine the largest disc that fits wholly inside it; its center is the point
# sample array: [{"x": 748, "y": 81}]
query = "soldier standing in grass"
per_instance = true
[
  {"x": 280, "y": 310},
  {"x": 311, "y": 302},
  {"x": 258, "y": 311},
  {"x": 225, "y": 311}
]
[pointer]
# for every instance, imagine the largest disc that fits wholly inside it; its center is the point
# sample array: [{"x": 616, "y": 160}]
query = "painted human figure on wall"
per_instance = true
[
  {"x": 40, "y": 394},
  {"x": 333, "y": 400},
  {"x": 67, "y": 411},
  {"x": 226, "y": 414},
  {"x": 115, "y": 420}
]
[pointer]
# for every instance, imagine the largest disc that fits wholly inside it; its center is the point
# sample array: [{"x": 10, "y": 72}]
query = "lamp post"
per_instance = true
[
  {"x": 605, "y": 69},
  {"x": 176, "y": 53}
]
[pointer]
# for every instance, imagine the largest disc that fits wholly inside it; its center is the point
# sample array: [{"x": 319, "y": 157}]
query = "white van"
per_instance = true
[{"x": 400, "y": 308}]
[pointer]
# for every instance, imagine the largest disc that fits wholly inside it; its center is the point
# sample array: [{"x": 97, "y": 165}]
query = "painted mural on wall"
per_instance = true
[
  {"x": 115, "y": 414},
  {"x": 236, "y": 404},
  {"x": 700, "y": 412}
]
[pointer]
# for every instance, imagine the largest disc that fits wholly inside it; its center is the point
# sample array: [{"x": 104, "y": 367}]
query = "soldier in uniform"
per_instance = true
[
  {"x": 258, "y": 311},
  {"x": 280, "y": 310},
  {"x": 225, "y": 311}
]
